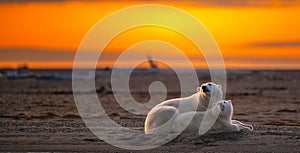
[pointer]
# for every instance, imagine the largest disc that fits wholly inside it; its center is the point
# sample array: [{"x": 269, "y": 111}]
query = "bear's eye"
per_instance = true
[{"x": 209, "y": 84}]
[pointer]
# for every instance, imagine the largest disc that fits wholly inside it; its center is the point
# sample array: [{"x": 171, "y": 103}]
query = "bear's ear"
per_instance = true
[
  {"x": 229, "y": 101},
  {"x": 198, "y": 89},
  {"x": 220, "y": 86}
]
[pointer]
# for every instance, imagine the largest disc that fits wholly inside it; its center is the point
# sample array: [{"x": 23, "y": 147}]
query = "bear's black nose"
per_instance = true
[{"x": 205, "y": 89}]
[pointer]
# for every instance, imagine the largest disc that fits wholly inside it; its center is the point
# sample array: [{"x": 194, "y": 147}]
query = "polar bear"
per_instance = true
[
  {"x": 220, "y": 116},
  {"x": 160, "y": 118}
]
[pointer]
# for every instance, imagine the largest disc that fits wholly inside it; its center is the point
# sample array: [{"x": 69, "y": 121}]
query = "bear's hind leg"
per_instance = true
[{"x": 160, "y": 121}]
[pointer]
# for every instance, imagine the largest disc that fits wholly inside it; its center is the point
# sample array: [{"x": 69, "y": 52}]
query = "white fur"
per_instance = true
[
  {"x": 221, "y": 113},
  {"x": 161, "y": 117}
]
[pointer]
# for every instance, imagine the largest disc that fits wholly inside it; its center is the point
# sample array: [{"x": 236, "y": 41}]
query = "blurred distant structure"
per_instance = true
[
  {"x": 21, "y": 72},
  {"x": 153, "y": 66},
  {"x": 24, "y": 72},
  {"x": 23, "y": 67}
]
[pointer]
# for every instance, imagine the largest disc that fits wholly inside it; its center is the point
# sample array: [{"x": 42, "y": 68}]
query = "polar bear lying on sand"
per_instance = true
[
  {"x": 163, "y": 114},
  {"x": 161, "y": 118},
  {"x": 220, "y": 114}
]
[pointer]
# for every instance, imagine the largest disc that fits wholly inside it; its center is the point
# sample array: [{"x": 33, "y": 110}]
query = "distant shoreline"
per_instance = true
[{"x": 198, "y": 69}]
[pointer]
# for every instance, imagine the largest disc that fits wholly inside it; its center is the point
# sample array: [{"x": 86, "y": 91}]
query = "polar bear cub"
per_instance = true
[
  {"x": 161, "y": 117},
  {"x": 220, "y": 115}
]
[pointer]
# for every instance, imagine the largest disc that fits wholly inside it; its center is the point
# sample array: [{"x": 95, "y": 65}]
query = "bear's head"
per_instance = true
[
  {"x": 224, "y": 107},
  {"x": 211, "y": 90}
]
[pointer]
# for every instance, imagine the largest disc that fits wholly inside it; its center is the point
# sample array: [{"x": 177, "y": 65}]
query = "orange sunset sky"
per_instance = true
[{"x": 251, "y": 34}]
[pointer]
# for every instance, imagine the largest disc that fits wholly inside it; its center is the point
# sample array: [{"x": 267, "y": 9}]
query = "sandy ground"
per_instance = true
[{"x": 40, "y": 115}]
